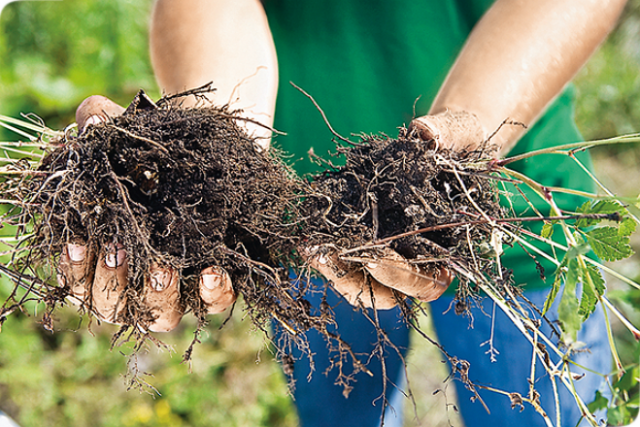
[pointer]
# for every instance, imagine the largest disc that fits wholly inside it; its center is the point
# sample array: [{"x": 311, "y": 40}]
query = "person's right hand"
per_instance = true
[{"x": 96, "y": 278}]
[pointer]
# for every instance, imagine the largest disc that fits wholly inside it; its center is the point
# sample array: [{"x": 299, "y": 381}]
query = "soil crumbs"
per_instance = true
[
  {"x": 187, "y": 188},
  {"x": 405, "y": 195}
]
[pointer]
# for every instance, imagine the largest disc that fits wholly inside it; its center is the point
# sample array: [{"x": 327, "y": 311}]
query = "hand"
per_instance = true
[
  {"x": 97, "y": 277},
  {"x": 454, "y": 130},
  {"x": 380, "y": 282}
]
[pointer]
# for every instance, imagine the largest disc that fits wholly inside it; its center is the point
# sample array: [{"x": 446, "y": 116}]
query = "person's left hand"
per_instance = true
[
  {"x": 382, "y": 281},
  {"x": 379, "y": 282}
]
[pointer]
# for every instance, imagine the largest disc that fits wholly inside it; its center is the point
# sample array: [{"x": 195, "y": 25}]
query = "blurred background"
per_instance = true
[{"x": 52, "y": 56}]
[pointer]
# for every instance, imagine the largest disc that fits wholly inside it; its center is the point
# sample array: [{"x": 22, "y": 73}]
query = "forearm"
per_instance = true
[
  {"x": 194, "y": 42},
  {"x": 520, "y": 56}
]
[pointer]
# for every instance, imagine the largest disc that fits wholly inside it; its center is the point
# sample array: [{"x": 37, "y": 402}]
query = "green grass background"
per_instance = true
[{"x": 53, "y": 55}]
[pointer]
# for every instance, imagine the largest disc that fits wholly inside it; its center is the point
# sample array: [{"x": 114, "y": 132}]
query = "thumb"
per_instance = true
[
  {"x": 96, "y": 109},
  {"x": 449, "y": 129}
]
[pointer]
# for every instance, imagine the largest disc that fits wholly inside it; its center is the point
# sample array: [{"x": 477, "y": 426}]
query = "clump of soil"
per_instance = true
[
  {"x": 405, "y": 195},
  {"x": 433, "y": 207},
  {"x": 185, "y": 188}
]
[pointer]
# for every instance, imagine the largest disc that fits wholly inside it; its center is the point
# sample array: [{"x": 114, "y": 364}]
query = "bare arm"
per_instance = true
[
  {"x": 517, "y": 60},
  {"x": 194, "y": 42}
]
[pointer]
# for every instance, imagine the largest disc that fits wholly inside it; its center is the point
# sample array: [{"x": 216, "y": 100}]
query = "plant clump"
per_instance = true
[
  {"x": 433, "y": 207},
  {"x": 184, "y": 188},
  {"x": 188, "y": 189}
]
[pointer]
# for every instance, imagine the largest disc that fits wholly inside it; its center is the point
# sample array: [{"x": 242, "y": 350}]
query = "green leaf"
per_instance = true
[
  {"x": 547, "y": 230},
  {"x": 600, "y": 402},
  {"x": 588, "y": 302},
  {"x": 599, "y": 207},
  {"x": 627, "y": 227},
  {"x": 570, "y": 320},
  {"x": 557, "y": 283},
  {"x": 581, "y": 247},
  {"x": 592, "y": 288},
  {"x": 595, "y": 275},
  {"x": 619, "y": 415},
  {"x": 629, "y": 381},
  {"x": 608, "y": 244}
]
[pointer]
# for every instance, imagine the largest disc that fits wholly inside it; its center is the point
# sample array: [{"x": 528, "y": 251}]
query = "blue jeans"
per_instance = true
[
  {"x": 321, "y": 402},
  {"x": 512, "y": 368}
]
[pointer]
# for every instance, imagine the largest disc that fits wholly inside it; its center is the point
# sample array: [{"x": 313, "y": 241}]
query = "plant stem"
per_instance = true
[
  {"x": 620, "y": 316},
  {"x": 612, "y": 217},
  {"x": 572, "y": 147},
  {"x": 30, "y": 126}
]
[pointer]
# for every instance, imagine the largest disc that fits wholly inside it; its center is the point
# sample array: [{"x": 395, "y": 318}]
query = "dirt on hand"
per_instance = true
[
  {"x": 187, "y": 188},
  {"x": 405, "y": 195}
]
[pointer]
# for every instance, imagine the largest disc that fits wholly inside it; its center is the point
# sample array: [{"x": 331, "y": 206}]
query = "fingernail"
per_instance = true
[
  {"x": 323, "y": 259},
  {"x": 77, "y": 253},
  {"x": 160, "y": 280},
  {"x": 93, "y": 120},
  {"x": 211, "y": 280},
  {"x": 116, "y": 256},
  {"x": 372, "y": 265}
]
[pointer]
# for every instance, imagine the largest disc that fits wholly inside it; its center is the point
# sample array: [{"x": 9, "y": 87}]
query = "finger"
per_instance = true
[
  {"x": 449, "y": 129},
  {"x": 162, "y": 297},
  {"x": 425, "y": 128},
  {"x": 96, "y": 109},
  {"x": 392, "y": 270},
  {"x": 110, "y": 280},
  {"x": 216, "y": 289},
  {"x": 353, "y": 284},
  {"x": 75, "y": 271}
]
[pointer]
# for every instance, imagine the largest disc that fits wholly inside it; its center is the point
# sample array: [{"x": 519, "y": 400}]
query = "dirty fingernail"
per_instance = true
[
  {"x": 77, "y": 253},
  {"x": 93, "y": 120},
  {"x": 160, "y": 280},
  {"x": 116, "y": 256},
  {"x": 211, "y": 280}
]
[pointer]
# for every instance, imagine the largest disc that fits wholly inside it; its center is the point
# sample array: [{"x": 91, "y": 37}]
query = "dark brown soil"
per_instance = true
[
  {"x": 188, "y": 189},
  {"x": 182, "y": 187},
  {"x": 390, "y": 188}
]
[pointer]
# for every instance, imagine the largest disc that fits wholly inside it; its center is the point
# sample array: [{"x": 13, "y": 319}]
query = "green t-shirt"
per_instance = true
[{"x": 370, "y": 63}]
